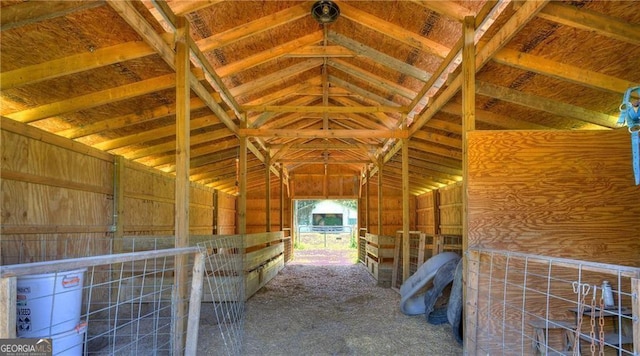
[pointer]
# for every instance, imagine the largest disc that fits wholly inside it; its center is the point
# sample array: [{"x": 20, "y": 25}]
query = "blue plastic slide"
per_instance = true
[{"x": 413, "y": 289}]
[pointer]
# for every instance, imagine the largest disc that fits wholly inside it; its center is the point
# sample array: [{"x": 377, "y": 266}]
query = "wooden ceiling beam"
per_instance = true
[
  {"x": 494, "y": 119},
  {"x": 362, "y": 92},
  {"x": 321, "y": 109},
  {"x": 388, "y": 121},
  {"x": 265, "y": 116},
  {"x": 392, "y": 30},
  {"x": 73, "y": 64},
  {"x": 591, "y": 21},
  {"x": 26, "y": 13},
  {"x": 372, "y": 79},
  {"x": 321, "y": 52},
  {"x": 94, "y": 99},
  {"x": 170, "y": 146},
  {"x": 126, "y": 120},
  {"x": 561, "y": 71},
  {"x": 285, "y": 93},
  {"x": 453, "y": 142},
  {"x": 510, "y": 28},
  {"x": 599, "y": 120},
  {"x": 435, "y": 150},
  {"x": 323, "y": 133},
  {"x": 269, "y": 55},
  {"x": 181, "y": 8},
  {"x": 154, "y": 134},
  {"x": 275, "y": 78},
  {"x": 254, "y": 27},
  {"x": 384, "y": 59},
  {"x": 448, "y": 9},
  {"x": 211, "y": 148}
]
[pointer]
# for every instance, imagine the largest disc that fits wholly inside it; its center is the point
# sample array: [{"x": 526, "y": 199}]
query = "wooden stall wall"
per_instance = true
[
  {"x": 58, "y": 199},
  {"x": 257, "y": 207},
  {"x": 427, "y": 213},
  {"x": 335, "y": 183},
  {"x": 57, "y": 196},
  {"x": 391, "y": 209},
  {"x": 555, "y": 193},
  {"x": 225, "y": 214}
]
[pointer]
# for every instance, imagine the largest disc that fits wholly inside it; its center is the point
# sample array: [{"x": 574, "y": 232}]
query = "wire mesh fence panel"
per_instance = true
[
  {"x": 224, "y": 294},
  {"x": 107, "y": 304},
  {"x": 522, "y": 304}
]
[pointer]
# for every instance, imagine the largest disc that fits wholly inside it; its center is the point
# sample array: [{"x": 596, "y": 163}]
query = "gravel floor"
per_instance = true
[{"x": 324, "y": 304}]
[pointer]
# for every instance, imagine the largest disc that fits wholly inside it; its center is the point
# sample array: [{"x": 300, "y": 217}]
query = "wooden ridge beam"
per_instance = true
[
  {"x": 323, "y": 133},
  {"x": 322, "y": 109}
]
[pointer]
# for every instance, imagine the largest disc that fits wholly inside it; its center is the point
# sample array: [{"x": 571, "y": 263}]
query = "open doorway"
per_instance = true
[{"x": 325, "y": 231}]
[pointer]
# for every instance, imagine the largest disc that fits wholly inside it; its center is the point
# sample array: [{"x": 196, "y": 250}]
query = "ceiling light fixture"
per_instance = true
[{"x": 325, "y": 12}]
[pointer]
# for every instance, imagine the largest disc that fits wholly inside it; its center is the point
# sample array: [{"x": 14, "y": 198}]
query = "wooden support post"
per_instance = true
[
  {"x": 242, "y": 196},
  {"x": 182, "y": 178},
  {"x": 468, "y": 125},
  {"x": 470, "y": 302},
  {"x": 380, "y": 165},
  {"x": 267, "y": 178},
  {"x": 406, "y": 240},
  {"x": 421, "y": 242},
  {"x": 216, "y": 212},
  {"x": 635, "y": 300},
  {"x": 367, "y": 202},
  {"x": 282, "y": 196},
  {"x": 193, "y": 324},
  {"x": 118, "y": 203},
  {"x": 8, "y": 291}
]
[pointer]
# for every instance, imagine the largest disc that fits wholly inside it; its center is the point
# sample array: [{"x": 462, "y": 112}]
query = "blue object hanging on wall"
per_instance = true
[{"x": 630, "y": 116}]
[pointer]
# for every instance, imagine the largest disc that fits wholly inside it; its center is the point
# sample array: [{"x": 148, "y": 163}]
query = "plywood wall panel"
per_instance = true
[{"x": 564, "y": 194}]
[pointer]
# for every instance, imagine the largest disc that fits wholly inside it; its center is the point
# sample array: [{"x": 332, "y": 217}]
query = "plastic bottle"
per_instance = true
[{"x": 607, "y": 294}]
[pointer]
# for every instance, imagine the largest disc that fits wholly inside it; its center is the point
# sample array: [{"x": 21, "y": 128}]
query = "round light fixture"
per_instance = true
[{"x": 325, "y": 11}]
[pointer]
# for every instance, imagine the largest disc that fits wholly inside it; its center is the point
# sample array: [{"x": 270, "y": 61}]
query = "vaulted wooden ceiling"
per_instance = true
[{"x": 346, "y": 93}]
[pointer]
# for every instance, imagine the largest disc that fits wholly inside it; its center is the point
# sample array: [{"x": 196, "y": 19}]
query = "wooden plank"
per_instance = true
[
  {"x": 562, "y": 71},
  {"x": 195, "y": 298},
  {"x": 323, "y": 109},
  {"x": 590, "y": 21},
  {"x": 269, "y": 55},
  {"x": 182, "y": 192},
  {"x": 254, "y": 27},
  {"x": 635, "y": 290},
  {"x": 52, "y": 182},
  {"x": 292, "y": 133},
  {"x": 8, "y": 292},
  {"x": 47, "y": 137},
  {"x": 94, "y": 99},
  {"x": 27, "y": 13},
  {"x": 392, "y": 30},
  {"x": 406, "y": 241},
  {"x": 258, "y": 239},
  {"x": 181, "y": 8},
  {"x": 599, "y": 120},
  {"x": 255, "y": 259}
]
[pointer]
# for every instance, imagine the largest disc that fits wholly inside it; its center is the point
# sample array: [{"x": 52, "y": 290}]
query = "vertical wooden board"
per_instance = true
[
  {"x": 562, "y": 194},
  {"x": 451, "y": 209}
]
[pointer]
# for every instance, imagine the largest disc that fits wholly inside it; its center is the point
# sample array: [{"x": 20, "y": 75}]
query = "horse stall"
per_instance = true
[{"x": 552, "y": 216}]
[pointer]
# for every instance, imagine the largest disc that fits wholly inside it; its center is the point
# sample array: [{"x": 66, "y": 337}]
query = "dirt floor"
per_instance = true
[{"x": 323, "y": 303}]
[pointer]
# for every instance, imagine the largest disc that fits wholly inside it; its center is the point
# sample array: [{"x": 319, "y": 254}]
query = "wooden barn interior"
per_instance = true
[{"x": 485, "y": 127}]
